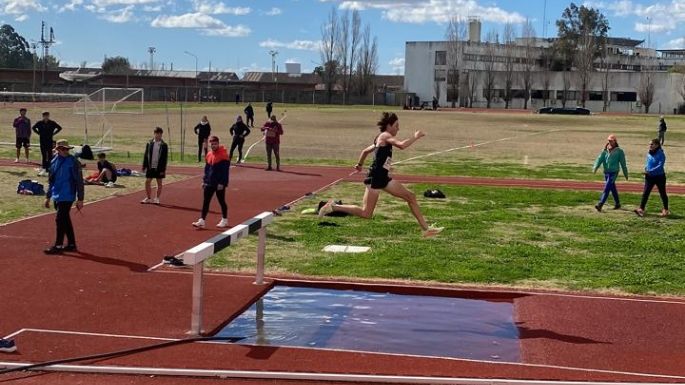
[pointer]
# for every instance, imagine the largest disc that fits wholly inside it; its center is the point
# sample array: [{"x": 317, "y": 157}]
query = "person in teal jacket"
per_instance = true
[
  {"x": 610, "y": 159},
  {"x": 654, "y": 175}
]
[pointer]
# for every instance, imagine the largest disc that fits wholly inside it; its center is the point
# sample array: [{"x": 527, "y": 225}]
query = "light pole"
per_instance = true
[
  {"x": 195, "y": 56},
  {"x": 273, "y": 54},
  {"x": 151, "y": 51}
]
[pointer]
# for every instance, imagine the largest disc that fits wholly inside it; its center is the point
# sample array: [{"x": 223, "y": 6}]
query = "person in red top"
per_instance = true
[
  {"x": 272, "y": 137},
  {"x": 215, "y": 181}
]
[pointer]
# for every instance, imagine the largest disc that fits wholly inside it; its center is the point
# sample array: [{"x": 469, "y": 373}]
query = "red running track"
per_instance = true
[{"x": 105, "y": 289}]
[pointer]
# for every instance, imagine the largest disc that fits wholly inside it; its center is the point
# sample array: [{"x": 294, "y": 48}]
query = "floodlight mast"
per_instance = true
[{"x": 273, "y": 54}]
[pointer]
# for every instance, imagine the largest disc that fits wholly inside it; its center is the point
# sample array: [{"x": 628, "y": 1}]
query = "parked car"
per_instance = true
[{"x": 564, "y": 110}]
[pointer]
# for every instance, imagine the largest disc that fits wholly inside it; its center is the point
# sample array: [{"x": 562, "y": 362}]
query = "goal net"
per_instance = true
[{"x": 80, "y": 115}]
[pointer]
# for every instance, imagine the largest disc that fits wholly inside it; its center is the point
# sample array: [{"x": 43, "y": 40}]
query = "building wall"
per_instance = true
[{"x": 420, "y": 69}]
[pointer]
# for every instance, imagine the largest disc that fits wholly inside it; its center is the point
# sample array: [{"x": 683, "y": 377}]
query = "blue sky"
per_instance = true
[{"x": 236, "y": 35}]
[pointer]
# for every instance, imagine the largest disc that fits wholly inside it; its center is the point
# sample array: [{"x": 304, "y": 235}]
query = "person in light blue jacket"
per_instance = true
[{"x": 654, "y": 175}]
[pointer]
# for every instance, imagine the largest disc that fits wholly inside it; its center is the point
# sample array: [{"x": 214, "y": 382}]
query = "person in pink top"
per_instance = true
[{"x": 273, "y": 130}]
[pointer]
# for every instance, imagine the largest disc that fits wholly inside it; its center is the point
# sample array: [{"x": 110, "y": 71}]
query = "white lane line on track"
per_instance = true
[{"x": 587, "y": 370}]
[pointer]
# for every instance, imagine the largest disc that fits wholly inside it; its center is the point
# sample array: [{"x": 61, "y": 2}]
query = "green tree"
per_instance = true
[
  {"x": 582, "y": 35},
  {"x": 51, "y": 61},
  {"x": 116, "y": 65},
  {"x": 14, "y": 49}
]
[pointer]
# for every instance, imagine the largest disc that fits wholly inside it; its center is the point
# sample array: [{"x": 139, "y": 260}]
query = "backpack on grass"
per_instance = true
[{"x": 30, "y": 187}]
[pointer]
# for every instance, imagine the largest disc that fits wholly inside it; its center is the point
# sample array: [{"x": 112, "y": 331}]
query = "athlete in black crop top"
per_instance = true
[{"x": 379, "y": 175}]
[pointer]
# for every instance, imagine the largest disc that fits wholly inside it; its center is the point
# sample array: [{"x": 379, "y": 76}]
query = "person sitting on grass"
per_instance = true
[
  {"x": 107, "y": 173},
  {"x": 379, "y": 175}
]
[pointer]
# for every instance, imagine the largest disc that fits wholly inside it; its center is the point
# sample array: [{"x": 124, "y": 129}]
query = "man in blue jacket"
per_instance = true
[{"x": 65, "y": 186}]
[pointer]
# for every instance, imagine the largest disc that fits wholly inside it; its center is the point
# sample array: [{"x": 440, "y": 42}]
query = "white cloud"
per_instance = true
[
  {"x": 659, "y": 17},
  {"x": 274, "y": 11},
  {"x": 209, "y": 25},
  {"x": 305, "y": 45},
  {"x": 188, "y": 20},
  {"x": 119, "y": 16},
  {"x": 19, "y": 8},
  {"x": 678, "y": 43},
  {"x": 397, "y": 65},
  {"x": 655, "y": 28},
  {"x": 115, "y": 3},
  {"x": 229, "y": 31},
  {"x": 70, "y": 6},
  {"x": 23, "y": 17},
  {"x": 153, "y": 8},
  {"x": 437, "y": 11},
  {"x": 218, "y": 8}
]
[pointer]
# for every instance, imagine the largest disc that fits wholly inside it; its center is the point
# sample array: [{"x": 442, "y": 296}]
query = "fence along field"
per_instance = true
[{"x": 322, "y": 134}]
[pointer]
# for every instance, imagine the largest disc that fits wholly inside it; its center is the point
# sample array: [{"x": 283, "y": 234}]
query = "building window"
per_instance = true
[
  {"x": 440, "y": 75},
  {"x": 624, "y": 96},
  {"x": 440, "y": 58},
  {"x": 595, "y": 95}
]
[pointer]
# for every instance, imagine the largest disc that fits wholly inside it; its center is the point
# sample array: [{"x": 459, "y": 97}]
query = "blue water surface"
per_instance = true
[{"x": 380, "y": 322}]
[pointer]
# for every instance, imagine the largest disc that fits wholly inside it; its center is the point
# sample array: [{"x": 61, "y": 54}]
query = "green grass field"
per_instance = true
[{"x": 494, "y": 236}]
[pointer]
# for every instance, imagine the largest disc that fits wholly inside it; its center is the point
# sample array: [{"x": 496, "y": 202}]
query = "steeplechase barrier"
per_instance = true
[{"x": 197, "y": 255}]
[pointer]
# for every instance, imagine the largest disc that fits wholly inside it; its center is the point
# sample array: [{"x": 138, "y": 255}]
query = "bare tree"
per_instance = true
[
  {"x": 329, "y": 51},
  {"x": 343, "y": 49},
  {"x": 528, "y": 34},
  {"x": 509, "y": 50},
  {"x": 368, "y": 62},
  {"x": 456, "y": 35},
  {"x": 489, "y": 68},
  {"x": 473, "y": 81},
  {"x": 646, "y": 91},
  {"x": 354, "y": 45},
  {"x": 547, "y": 58},
  {"x": 566, "y": 86},
  {"x": 436, "y": 88},
  {"x": 582, "y": 31},
  {"x": 606, "y": 77}
]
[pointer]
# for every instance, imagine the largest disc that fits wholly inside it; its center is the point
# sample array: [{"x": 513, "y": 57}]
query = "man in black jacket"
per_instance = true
[
  {"x": 46, "y": 130},
  {"x": 238, "y": 131},
  {"x": 154, "y": 165},
  {"x": 249, "y": 115}
]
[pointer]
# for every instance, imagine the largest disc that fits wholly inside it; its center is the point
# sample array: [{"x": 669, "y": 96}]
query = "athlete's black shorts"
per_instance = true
[
  {"x": 23, "y": 142},
  {"x": 378, "y": 181},
  {"x": 153, "y": 173}
]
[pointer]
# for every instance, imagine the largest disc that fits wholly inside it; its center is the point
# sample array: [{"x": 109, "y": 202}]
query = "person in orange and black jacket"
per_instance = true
[{"x": 215, "y": 182}]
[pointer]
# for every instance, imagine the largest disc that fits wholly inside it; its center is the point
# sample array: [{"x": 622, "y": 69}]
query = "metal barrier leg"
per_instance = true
[
  {"x": 196, "y": 319},
  {"x": 261, "y": 250}
]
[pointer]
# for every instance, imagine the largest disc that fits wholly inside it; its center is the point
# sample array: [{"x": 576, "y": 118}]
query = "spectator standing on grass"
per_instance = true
[
  {"x": 65, "y": 186},
  {"x": 238, "y": 131},
  {"x": 154, "y": 165},
  {"x": 215, "y": 182},
  {"x": 202, "y": 130},
  {"x": 273, "y": 130},
  {"x": 379, "y": 175},
  {"x": 269, "y": 108},
  {"x": 249, "y": 115},
  {"x": 22, "y": 129},
  {"x": 662, "y": 130},
  {"x": 654, "y": 175},
  {"x": 7, "y": 345},
  {"x": 611, "y": 158},
  {"x": 46, "y": 130}
]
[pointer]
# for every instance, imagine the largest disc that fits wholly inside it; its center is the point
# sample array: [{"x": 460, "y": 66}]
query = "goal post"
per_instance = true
[{"x": 111, "y": 101}]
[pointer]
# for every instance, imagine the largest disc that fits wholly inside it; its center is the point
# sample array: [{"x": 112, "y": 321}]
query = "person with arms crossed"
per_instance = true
[
  {"x": 46, "y": 130},
  {"x": 202, "y": 130},
  {"x": 239, "y": 131},
  {"x": 154, "y": 165}
]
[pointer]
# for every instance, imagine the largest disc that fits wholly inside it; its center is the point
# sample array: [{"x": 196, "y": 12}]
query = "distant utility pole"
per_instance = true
[
  {"x": 45, "y": 42},
  {"x": 152, "y": 51},
  {"x": 273, "y": 54}
]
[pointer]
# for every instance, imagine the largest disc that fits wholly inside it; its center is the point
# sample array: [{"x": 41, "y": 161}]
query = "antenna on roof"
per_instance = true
[{"x": 46, "y": 43}]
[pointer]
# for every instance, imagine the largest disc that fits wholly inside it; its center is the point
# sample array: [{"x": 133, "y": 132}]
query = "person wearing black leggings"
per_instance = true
[
  {"x": 654, "y": 175},
  {"x": 215, "y": 182}
]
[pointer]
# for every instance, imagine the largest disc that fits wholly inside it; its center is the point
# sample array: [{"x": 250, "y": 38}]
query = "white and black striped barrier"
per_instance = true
[{"x": 197, "y": 255}]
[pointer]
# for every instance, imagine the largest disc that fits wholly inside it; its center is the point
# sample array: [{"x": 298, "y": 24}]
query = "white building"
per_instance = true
[{"x": 427, "y": 70}]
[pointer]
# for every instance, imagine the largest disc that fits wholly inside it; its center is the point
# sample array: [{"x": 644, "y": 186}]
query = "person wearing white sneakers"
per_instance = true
[
  {"x": 215, "y": 181},
  {"x": 379, "y": 175},
  {"x": 154, "y": 165},
  {"x": 22, "y": 127}
]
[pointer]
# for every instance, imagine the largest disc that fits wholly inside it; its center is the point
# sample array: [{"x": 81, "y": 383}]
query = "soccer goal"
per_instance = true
[{"x": 86, "y": 113}]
